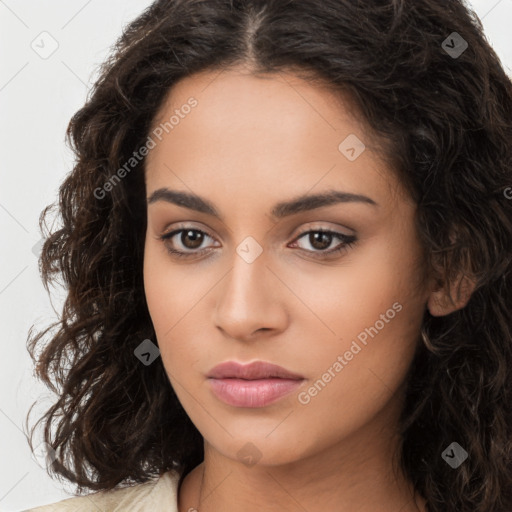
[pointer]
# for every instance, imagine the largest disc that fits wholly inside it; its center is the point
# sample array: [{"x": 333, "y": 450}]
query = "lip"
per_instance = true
[
  {"x": 253, "y": 385},
  {"x": 251, "y": 371}
]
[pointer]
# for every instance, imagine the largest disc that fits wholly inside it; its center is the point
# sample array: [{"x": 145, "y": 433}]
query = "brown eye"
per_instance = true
[
  {"x": 320, "y": 239},
  {"x": 196, "y": 238},
  {"x": 187, "y": 244}
]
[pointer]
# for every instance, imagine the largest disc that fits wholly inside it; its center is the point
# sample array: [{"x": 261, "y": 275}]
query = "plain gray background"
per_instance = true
[{"x": 39, "y": 93}]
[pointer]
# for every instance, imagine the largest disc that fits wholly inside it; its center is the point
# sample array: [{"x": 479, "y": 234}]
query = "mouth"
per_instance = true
[{"x": 254, "y": 385}]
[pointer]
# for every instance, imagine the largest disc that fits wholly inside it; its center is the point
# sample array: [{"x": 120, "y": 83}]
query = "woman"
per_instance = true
[{"x": 287, "y": 244}]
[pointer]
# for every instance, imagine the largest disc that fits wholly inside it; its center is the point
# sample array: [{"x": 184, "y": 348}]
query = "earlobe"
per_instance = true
[{"x": 446, "y": 299}]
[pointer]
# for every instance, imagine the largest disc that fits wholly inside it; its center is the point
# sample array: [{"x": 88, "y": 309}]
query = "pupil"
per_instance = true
[
  {"x": 195, "y": 236},
  {"x": 315, "y": 238}
]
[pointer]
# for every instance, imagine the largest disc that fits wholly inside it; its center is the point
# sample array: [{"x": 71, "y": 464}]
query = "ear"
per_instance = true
[{"x": 446, "y": 297}]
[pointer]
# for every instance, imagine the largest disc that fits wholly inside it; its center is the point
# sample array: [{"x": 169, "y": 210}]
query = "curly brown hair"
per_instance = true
[{"x": 447, "y": 122}]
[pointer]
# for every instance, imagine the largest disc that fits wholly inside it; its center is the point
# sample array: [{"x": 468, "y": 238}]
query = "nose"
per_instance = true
[{"x": 250, "y": 300}]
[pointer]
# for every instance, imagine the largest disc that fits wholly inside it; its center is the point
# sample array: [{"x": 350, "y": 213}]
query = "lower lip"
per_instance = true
[{"x": 253, "y": 393}]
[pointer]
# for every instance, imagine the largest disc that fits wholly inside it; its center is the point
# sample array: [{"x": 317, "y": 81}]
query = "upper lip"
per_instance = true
[{"x": 251, "y": 371}]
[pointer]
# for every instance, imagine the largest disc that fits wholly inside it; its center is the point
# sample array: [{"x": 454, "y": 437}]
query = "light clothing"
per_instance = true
[{"x": 160, "y": 494}]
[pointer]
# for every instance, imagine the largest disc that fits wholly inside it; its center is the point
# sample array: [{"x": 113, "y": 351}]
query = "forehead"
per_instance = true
[
  {"x": 230, "y": 100},
  {"x": 260, "y": 133}
]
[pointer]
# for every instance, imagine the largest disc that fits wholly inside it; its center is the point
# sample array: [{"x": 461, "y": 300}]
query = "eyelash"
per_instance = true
[{"x": 346, "y": 242}]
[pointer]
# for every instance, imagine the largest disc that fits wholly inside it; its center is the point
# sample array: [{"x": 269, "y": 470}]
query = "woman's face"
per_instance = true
[{"x": 248, "y": 157}]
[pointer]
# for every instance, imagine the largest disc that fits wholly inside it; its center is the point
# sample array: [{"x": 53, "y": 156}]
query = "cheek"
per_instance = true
[
  {"x": 375, "y": 308},
  {"x": 359, "y": 294},
  {"x": 173, "y": 297},
  {"x": 357, "y": 380},
  {"x": 171, "y": 292}
]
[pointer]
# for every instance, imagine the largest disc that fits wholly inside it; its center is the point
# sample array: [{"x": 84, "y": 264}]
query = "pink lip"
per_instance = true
[
  {"x": 254, "y": 385},
  {"x": 251, "y": 371}
]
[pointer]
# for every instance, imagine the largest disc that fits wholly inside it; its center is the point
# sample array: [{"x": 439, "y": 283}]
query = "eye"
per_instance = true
[
  {"x": 320, "y": 240},
  {"x": 189, "y": 241}
]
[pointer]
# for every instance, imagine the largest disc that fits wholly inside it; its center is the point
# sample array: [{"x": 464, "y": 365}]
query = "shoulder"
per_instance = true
[{"x": 157, "y": 494}]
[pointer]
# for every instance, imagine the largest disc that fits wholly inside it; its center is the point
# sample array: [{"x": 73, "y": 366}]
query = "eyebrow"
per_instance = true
[{"x": 280, "y": 210}]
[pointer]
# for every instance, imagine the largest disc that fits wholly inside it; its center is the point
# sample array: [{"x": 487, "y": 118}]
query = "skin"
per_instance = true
[{"x": 250, "y": 143}]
